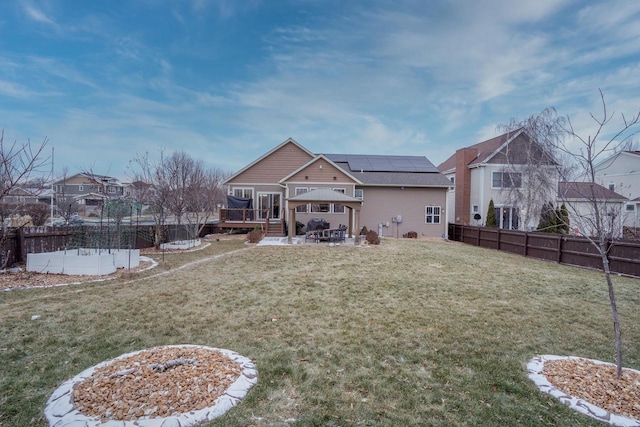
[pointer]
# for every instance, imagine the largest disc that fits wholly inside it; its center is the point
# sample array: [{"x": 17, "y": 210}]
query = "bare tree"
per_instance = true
[
  {"x": 203, "y": 196},
  {"x": 178, "y": 185},
  {"x": 18, "y": 162},
  {"x": 66, "y": 205},
  {"x": 180, "y": 172},
  {"x": 150, "y": 176},
  {"x": 532, "y": 160},
  {"x": 597, "y": 222}
]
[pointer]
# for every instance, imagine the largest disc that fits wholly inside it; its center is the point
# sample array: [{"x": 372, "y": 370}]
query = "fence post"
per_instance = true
[
  {"x": 21, "y": 255},
  {"x": 559, "y": 256}
]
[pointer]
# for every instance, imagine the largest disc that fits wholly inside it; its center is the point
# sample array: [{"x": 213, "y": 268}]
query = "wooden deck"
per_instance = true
[{"x": 248, "y": 219}]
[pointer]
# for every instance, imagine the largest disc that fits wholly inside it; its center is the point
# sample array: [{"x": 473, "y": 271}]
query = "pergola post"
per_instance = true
[
  {"x": 292, "y": 225},
  {"x": 357, "y": 239}
]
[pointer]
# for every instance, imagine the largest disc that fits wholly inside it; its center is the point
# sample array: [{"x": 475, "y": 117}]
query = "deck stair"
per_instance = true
[{"x": 274, "y": 229}]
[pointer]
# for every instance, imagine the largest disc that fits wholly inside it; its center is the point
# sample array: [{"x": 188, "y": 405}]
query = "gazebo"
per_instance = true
[{"x": 324, "y": 195}]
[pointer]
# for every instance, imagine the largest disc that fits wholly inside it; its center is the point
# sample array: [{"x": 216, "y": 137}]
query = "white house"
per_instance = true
[
  {"x": 621, "y": 173},
  {"x": 502, "y": 169}
]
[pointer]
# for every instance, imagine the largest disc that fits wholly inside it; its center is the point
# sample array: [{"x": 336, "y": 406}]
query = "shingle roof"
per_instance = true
[
  {"x": 410, "y": 171},
  {"x": 484, "y": 150},
  {"x": 586, "y": 190}
]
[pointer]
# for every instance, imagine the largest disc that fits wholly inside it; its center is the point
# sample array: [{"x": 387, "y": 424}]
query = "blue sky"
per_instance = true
[{"x": 227, "y": 80}]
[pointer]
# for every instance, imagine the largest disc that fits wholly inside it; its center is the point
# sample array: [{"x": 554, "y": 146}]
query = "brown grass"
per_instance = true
[{"x": 411, "y": 332}]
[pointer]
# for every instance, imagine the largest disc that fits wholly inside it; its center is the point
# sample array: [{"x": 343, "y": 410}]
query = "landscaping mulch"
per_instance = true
[
  {"x": 597, "y": 384},
  {"x": 156, "y": 383}
]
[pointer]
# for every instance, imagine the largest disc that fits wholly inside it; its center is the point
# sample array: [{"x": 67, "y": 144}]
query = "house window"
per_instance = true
[
  {"x": 506, "y": 180},
  {"x": 320, "y": 207},
  {"x": 453, "y": 183},
  {"x": 245, "y": 193},
  {"x": 612, "y": 186},
  {"x": 508, "y": 217},
  {"x": 359, "y": 194},
  {"x": 80, "y": 188},
  {"x": 338, "y": 208},
  {"x": 432, "y": 214},
  {"x": 476, "y": 209},
  {"x": 112, "y": 189},
  {"x": 303, "y": 208},
  {"x": 631, "y": 207}
]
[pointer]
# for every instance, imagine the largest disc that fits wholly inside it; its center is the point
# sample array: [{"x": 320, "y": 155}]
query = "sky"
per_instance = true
[{"x": 228, "y": 80}]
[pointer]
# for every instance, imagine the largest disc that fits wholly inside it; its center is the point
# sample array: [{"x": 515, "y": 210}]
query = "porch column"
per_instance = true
[
  {"x": 292, "y": 224},
  {"x": 357, "y": 240}
]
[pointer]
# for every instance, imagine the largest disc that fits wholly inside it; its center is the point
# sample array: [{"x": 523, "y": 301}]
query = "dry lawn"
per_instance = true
[{"x": 411, "y": 332}]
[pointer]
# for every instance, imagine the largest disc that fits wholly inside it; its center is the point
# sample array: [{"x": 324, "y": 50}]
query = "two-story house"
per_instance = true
[
  {"x": 88, "y": 190},
  {"x": 510, "y": 169},
  {"x": 621, "y": 173},
  {"x": 389, "y": 194}
]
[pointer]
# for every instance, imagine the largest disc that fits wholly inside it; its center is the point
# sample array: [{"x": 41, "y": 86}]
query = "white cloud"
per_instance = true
[{"x": 38, "y": 15}]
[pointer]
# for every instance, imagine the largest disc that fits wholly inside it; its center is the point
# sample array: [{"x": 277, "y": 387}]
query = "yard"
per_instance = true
[{"x": 412, "y": 332}]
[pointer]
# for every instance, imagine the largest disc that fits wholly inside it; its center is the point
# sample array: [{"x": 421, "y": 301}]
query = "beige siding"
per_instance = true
[
  {"x": 275, "y": 166},
  {"x": 321, "y": 171},
  {"x": 381, "y": 204}
]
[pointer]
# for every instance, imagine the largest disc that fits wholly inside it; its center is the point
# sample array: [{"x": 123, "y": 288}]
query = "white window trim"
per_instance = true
[
  {"x": 355, "y": 193},
  {"x": 502, "y": 180},
  {"x": 433, "y": 215},
  {"x": 233, "y": 192},
  {"x": 306, "y": 207},
  {"x": 333, "y": 205}
]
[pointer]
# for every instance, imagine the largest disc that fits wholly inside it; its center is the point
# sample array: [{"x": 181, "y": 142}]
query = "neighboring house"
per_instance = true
[
  {"x": 21, "y": 196},
  {"x": 579, "y": 198},
  {"x": 501, "y": 169},
  {"x": 89, "y": 190},
  {"x": 621, "y": 173},
  {"x": 389, "y": 194}
]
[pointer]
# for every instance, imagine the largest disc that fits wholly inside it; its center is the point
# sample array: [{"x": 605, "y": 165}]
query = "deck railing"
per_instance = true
[{"x": 244, "y": 215}]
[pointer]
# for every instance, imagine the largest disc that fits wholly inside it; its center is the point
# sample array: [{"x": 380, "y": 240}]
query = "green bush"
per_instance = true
[{"x": 491, "y": 216}]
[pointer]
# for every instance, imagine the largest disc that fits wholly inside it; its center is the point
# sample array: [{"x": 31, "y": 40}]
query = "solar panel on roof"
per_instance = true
[{"x": 378, "y": 163}]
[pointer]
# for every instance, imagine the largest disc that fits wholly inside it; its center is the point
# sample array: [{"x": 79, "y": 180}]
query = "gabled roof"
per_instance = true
[
  {"x": 324, "y": 195},
  {"x": 94, "y": 177},
  {"x": 586, "y": 191},
  {"x": 613, "y": 157},
  {"x": 484, "y": 150},
  {"x": 315, "y": 159},
  {"x": 258, "y": 160},
  {"x": 495, "y": 150},
  {"x": 378, "y": 170},
  {"x": 21, "y": 191}
]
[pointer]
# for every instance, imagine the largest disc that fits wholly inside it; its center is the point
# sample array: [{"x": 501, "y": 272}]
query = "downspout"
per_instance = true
[{"x": 481, "y": 205}]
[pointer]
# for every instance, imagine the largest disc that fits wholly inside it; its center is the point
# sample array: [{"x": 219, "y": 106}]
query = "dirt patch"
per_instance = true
[{"x": 27, "y": 279}]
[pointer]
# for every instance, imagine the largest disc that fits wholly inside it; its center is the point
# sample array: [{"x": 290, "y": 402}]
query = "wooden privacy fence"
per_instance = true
[
  {"x": 27, "y": 240},
  {"x": 624, "y": 257}
]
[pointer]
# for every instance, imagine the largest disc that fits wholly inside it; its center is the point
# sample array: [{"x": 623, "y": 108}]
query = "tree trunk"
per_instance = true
[{"x": 614, "y": 310}]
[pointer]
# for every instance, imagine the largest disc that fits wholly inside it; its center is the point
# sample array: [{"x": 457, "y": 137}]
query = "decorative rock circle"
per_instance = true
[
  {"x": 535, "y": 369},
  {"x": 60, "y": 410}
]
